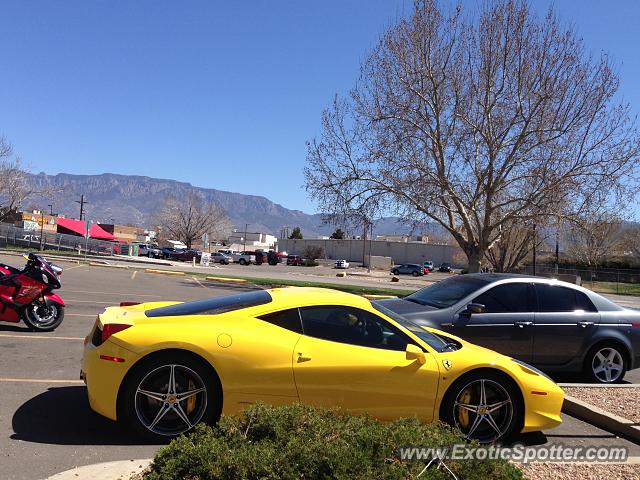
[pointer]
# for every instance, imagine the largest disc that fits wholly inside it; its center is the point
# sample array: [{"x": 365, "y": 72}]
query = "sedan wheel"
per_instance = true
[
  {"x": 605, "y": 364},
  {"x": 165, "y": 398},
  {"x": 483, "y": 407}
]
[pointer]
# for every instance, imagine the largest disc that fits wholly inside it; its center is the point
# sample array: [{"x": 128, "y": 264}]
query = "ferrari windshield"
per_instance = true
[
  {"x": 432, "y": 340},
  {"x": 447, "y": 292},
  {"x": 214, "y": 305}
]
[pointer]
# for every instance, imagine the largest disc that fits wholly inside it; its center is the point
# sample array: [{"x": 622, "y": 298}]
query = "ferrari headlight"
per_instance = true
[{"x": 532, "y": 368}]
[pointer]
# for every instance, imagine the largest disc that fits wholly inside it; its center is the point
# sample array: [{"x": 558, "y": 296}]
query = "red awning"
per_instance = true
[
  {"x": 97, "y": 232},
  {"x": 69, "y": 225}
]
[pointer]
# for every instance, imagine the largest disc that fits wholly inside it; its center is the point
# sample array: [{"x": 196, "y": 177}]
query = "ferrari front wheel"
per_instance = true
[
  {"x": 484, "y": 406},
  {"x": 167, "y": 396}
]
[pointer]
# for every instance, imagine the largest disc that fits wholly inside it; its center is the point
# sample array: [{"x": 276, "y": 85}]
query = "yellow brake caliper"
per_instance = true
[
  {"x": 463, "y": 413},
  {"x": 191, "y": 401}
]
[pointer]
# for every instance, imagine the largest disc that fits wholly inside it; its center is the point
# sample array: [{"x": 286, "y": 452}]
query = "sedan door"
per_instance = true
[
  {"x": 565, "y": 321},
  {"x": 507, "y": 324},
  {"x": 356, "y": 360}
]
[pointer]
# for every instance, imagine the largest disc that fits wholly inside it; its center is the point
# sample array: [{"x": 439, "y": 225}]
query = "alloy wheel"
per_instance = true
[
  {"x": 483, "y": 410},
  {"x": 607, "y": 365},
  {"x": 170, "y": 400},
  {"x": 42, "y": 314}
]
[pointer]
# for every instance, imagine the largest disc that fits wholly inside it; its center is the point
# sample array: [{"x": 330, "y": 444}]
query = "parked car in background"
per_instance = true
[
  {"x": 221, "y": 258},
  {"x": 445, "y": 268},
  {"x": 187, "y": 255},
  {"x": 166, "y": 252},
  {"x": 414, "y": 269},
  {"x": 273, "y": 258},
  {"x": 342, "y": 264},
  {"x": 148, "y": 250},
  {"x": 429, "y": 265},
  {"x": 295, "y": 260},
  {"x": 261, "y": 256},
  {"x": 243, "y": 258},
  {"x": 553, "y": 325}
]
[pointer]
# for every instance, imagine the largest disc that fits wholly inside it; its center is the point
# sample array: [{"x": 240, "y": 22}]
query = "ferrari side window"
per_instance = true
[
  {"x": 289, "y": 319},
  {"x": 351, "y": 325}
]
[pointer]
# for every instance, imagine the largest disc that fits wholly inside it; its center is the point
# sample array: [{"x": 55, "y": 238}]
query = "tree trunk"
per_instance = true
[{"x": 474, "y": 256}]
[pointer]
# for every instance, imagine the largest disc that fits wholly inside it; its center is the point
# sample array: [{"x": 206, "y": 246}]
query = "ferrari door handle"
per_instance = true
[
  {"x": 303, "y": 358},
  {"x": 522, "y": 324},
  {"x": 585, "y": 324}
]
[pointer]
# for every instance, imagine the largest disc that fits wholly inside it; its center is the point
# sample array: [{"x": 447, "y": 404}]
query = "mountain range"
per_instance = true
[{"x": 130, "y": 199}]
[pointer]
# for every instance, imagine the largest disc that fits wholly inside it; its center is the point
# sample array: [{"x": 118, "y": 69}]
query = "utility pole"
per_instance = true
[
  {"x": 82, "y": 203},
  {"x": 370, "y": 245},
  {"x": 557, "y": 252},
  {"x": 246, "y": 225},
  {"x": 50, "y": 209},
  {"x": 41, "y": 229}
]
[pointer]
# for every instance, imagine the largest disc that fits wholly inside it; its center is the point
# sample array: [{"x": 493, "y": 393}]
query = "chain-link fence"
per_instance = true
[
  {"x": 10, "y": 235},
  {"x": 607, "y": 280}
]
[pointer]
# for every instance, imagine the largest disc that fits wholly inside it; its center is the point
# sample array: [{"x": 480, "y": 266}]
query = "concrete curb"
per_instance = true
[
  {"x": 225, "y": 280},
  {"x": 81, "y": 258},
  {"x": 599, "y": 385},
  {"x": 119, "y": 470},
  {"x": 164, "y": 272},
  {"x": 602, "y": 419}
]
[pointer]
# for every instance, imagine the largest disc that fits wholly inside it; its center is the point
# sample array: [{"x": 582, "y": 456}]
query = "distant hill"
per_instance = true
[{"x": 132, "y": 200}]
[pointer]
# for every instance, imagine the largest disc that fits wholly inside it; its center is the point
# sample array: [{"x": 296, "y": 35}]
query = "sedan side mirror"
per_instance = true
[
  {"x": 474, "y": 308},
  {"x": 415, "y": 353}
]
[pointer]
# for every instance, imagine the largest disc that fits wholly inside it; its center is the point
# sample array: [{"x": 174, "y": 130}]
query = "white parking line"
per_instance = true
[
  {"x": 39, "y": 380},
  {"x": 73, "y": 300},
  {"x": 39, "y": 337},
  {"x": 133, "y": 275},
  {"x": 128, "y": 294},
  {"x": 198, "y": 282}
]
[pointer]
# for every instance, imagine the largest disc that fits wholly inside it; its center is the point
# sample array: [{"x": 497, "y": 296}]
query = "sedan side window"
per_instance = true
[
  {"x": 352, "y": 326},
  {"x": 554, "y": 298},
  {"x": 506, "y": 298},
  {"x": 289, "y": 319}
]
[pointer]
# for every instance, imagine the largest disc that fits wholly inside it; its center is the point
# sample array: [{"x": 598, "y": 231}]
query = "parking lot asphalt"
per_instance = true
[{"x": 46, "y": 425}]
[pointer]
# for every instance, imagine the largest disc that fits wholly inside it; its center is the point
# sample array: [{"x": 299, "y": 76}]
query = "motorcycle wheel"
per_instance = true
[{"x": 42, "y": 318}]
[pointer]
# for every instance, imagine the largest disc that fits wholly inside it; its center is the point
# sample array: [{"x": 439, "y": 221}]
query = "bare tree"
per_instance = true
[
  {"x": 515, "y": 244},
  {"x": 188, "y": 218},
  {"x": 593, "y": 240},
  {"x": 476, "y": 122},
  {"x": 14, "y": 188}
]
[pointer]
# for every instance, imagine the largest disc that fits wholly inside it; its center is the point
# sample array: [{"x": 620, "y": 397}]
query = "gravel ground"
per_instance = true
[
  {"x": 619, "y": 401},
  {"x": 582, "y": 471}
]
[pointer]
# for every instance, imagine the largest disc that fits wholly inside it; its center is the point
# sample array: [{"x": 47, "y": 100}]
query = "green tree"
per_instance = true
[
  {"x": 296, "y": 234},
  {"x": 338, "y": 234}
]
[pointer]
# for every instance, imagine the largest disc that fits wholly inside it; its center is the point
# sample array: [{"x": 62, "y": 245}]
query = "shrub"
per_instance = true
[
  {"x": 301, "y": 442},
  {"x": 311, "y": 254}
]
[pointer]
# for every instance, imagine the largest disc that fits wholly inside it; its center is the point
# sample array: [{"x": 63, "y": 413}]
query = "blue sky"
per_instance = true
[{"x": 218, "y": 94}]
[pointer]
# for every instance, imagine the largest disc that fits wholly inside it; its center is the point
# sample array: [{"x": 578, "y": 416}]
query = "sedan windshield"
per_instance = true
[{"x": 447, "y": 292}]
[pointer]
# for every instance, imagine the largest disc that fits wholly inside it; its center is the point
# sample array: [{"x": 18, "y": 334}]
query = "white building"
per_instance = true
[{"x": 252, "y": 240}]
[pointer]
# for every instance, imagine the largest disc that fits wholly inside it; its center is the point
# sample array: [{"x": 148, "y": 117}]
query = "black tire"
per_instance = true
[
  {"x": 415, "y": 274},
  {"x": 605, "y": 363},
  {"x": 466, "y": 390},
  {"x": 395, "y": 272},
  {"x": 35, "y": 317},
  {"x": 137, "y": 411},
  {"x": 242, "y": 261}
]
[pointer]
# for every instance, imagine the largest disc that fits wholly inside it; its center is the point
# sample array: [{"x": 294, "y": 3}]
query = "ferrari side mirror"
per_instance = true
[{"x": 415, "y": 353}]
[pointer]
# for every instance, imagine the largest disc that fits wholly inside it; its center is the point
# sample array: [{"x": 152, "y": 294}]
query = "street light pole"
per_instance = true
[
  {"x": 41, "y": 229},
  {"x": 534, "y": 249}
]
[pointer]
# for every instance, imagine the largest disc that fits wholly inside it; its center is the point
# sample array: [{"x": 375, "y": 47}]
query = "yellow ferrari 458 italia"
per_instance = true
[{"x": 162, "y": 367}]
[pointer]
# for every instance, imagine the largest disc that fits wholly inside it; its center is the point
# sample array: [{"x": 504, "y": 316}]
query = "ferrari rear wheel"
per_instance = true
[
  {"x": 483, "y": 406},
  {"x": 168, "y": 396}
]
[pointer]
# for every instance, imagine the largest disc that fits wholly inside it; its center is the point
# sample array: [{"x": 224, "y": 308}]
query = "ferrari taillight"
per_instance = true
[
  {"x": 111, "y": 328},
  {"x": 128, "y": 304}
]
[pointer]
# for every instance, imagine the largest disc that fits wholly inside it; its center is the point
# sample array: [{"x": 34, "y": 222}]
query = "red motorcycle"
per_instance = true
[{"x": 26, "y": 294}]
